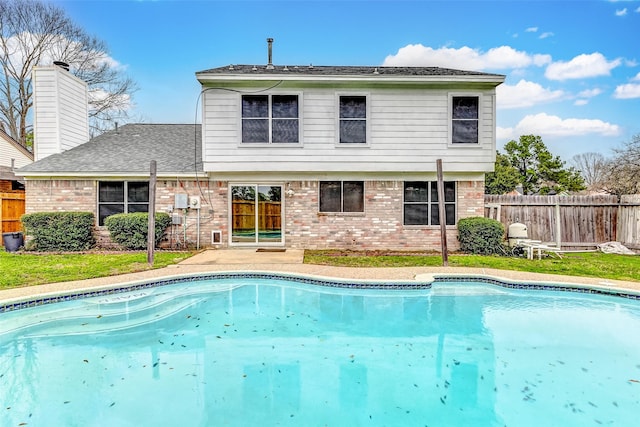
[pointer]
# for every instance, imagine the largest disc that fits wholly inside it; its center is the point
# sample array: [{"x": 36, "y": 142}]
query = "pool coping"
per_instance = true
[{"x": 332, "y": 277}]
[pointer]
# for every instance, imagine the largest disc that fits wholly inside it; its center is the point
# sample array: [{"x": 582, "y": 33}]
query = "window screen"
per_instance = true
[
  {"x": 353, "y": 119},
  {"x": 464, "y": 120}
]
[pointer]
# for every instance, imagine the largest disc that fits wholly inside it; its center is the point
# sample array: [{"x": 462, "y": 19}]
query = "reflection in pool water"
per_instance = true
[{"x": 246, "y": 351}]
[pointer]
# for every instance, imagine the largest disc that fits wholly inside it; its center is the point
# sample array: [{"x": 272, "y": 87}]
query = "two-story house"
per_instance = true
[{"x": 296, "y": 157}]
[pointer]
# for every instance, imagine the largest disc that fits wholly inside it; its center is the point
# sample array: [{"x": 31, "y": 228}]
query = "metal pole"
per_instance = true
[
  {"x": 151, "y": 229},
  {"x": 442, "y": 216}
]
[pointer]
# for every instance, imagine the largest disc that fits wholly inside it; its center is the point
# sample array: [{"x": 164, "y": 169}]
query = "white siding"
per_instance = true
[
  {"x": 60, "y": 111},
  {"x": 408, "y": 131},
  {"x": 9, "y": 151}
]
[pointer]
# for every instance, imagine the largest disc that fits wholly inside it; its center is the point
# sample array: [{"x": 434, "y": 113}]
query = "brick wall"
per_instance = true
[
  {"x": 212, "y": 214},
  {"x": 379, "y": 227},
  {"x": 60, "y": 196},
  {"x": 81, "y": 195}
]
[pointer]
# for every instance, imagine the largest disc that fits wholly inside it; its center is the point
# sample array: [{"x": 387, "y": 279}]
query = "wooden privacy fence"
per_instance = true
[
  {"x": 571, "y": 222},
  {"x": 244, "y": 218},
  {"x": 11, "y": 209},
  {"x": 629, "y": 221}
]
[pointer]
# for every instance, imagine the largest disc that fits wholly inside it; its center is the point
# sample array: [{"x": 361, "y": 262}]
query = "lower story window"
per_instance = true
[
  {"x": 421, "y": 203},
  {"x": 121, "y": 197},
  {"x": 342, "y": 196}
]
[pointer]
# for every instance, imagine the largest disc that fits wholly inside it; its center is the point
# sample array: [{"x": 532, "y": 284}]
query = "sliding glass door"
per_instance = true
[{"x": 256, "y": 214}]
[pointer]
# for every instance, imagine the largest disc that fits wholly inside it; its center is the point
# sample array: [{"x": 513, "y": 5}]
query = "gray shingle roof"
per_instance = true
[
  {"x": 313, "y": 70},
  {"x": 129, "y": 150}
]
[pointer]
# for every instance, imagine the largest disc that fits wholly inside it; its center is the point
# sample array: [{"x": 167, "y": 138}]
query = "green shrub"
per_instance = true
[
  {"x": 130, "y": 230},
  {"x": 481, "y": 236},
  {"x": 59, "y": 231}
]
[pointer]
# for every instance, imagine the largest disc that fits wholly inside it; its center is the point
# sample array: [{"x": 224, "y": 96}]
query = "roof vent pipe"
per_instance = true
[
  {"x": 270, "y": 44},
  {"x": 62, "y": 65}
]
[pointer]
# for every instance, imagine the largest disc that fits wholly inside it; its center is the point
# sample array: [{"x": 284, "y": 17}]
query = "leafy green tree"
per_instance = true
[
  {"x": 539, "y": 171},
  {"x": 29, "y": 141},
  {"x": 503, "y": 179}
]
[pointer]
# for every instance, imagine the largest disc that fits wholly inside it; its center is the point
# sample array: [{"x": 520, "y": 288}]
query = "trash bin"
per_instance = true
[{"x": 12, "y": 241}]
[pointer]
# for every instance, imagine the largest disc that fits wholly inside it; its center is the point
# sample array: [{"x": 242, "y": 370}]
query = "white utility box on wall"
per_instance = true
[
  {"x": 194, "y": 202},
  {"x": 180, "y": 201}
]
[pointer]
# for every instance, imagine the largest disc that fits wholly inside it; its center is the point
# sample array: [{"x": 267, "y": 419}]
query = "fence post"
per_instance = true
[{"x": 558, "y": 226}]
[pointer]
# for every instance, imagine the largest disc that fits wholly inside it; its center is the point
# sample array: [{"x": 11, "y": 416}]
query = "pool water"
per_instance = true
[{"x": 240, "y": 352}]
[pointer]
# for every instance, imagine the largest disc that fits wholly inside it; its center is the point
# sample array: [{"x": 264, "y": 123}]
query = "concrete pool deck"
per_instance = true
[{"x": 291, "y": 261}]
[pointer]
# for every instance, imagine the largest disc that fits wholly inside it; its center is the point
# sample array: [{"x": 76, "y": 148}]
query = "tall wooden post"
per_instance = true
[
  {"x": 442, "y": 215},
  {"x": 558, "y": 225},
  {"x": 151, "y": 230}
]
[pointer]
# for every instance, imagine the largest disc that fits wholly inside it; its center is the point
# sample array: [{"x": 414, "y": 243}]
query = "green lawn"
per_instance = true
[
  {"x": 28, "y": 269},
  {"x": 588, "y": 264}
]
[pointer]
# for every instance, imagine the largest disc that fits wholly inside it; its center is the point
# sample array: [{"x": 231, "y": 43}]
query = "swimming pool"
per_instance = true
[{"x": 250, "y": 349}]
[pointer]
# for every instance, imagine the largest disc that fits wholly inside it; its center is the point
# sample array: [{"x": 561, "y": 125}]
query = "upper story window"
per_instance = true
[
  {"x": 421, "y": 203},
  {"x": 341, "y": 196},
  {"x": 464, "y": 119},
  {"x": 270, "y": 118},
  {"x": 353, "y": 119},
  {"x": 121, "y": 197}
]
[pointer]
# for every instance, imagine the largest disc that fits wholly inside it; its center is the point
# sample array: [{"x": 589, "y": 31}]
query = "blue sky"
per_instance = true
[{"x": 572, "y": 66}]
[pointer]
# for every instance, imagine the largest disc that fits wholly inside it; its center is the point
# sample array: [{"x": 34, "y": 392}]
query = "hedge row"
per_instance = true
[
  {"x": 73, "y": 231},
  {"x": 59, "y": 231},
  {"x": 481, "y": 236},
  {"x": 130, "y": 230}
]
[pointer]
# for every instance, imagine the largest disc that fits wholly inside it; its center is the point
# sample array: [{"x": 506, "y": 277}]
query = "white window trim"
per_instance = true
[
  {"x": 450, "y": 119},
  {"x": 367, "y": 95},
  {"x": 272, "y": 144}
]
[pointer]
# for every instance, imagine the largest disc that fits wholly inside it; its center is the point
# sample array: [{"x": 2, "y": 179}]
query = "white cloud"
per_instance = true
[
  {"x": 638, "y": 10},
  {"x": 582, "y": 66},
  {"x": 123, "y": 101},
  {"x": 627, "y": 91},
  {"x": 589, "y": 93},
  {"x": 621, "y": 12},
  {"x": 583, "y": 97},
  {"x": 59, "y": 48},
  {"x": 531, "y": 30},
  {"x": 502, "y": 57},
  {"x": 547, "y": 125},
  {"x": 525, "y": 94},
  {"x": 546, "y": 35},
  {"x": 504, "y": 133}
]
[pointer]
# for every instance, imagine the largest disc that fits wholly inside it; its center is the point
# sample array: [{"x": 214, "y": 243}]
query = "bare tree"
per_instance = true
[
  {"x": 34, "y": 33},
  {"x": 624, "y": 169},
  {"x": 592, "y": 167}
]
